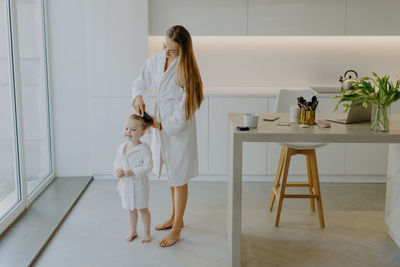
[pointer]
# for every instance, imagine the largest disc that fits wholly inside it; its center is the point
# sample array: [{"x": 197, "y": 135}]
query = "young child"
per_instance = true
[{"x": 131, "y": 165}]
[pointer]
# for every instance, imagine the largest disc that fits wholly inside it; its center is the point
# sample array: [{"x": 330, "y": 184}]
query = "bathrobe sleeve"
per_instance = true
[
  {"x": 173, "y": 124},
  {"x": 117, "y": 162},
  {"x": 143, "y": 81},
  {"x": 147, "y": 164}
]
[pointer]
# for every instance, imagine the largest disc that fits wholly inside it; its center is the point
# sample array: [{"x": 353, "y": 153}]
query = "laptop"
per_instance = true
[{"x": 355, "y": 114}]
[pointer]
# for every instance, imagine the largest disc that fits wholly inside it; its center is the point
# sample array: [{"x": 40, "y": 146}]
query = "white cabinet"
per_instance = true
[
  {"x": 116, "y": 45},
  {"x": 202, "y": 136},
  {"x": 296, "y": 17},
  {"x": 373, "y": 17},
  {"x": 254, "y": 154},
  {"x": 262, "y": 158},
  {"x": 366, "y": 159},
  {"x": 395, "y": 108},
  {"x": 206, "y": 17},
  {"x": 277, "y": 17}
]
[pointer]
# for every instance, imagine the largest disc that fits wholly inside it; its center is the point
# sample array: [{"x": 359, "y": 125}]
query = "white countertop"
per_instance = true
[{"x": 251, "y": 91}]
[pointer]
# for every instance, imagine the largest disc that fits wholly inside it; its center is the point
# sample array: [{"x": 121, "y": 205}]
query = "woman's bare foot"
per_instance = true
[
  {"x": 146, "y": 238},
  {"x": 167, "y": 225},
  {"x": 170, "y": 238},
  {"x": 130, "y": 237}
]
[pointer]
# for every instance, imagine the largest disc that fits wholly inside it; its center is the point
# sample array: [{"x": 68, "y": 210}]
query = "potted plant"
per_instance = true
[{"x": 380, "y": 92}]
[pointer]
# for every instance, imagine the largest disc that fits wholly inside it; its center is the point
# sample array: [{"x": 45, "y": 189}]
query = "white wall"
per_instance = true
[
  {"x": 96, "y": 48},
  {"x": 69, "y": 86},
  {"x": 289, "y": 61},
  {"x": 117, "y": 38}
]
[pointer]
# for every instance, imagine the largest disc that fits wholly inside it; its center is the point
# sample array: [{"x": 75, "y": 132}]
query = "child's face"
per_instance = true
[{"x": 133, "y": 130}]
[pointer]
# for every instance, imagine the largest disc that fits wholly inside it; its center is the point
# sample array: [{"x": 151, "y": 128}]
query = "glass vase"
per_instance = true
[{"x": 380, "y": 117}]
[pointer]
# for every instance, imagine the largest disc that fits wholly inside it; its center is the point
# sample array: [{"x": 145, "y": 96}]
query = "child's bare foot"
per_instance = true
[
  {"x": 146, "y": 238},
  {"x": 170, "y": 238},
  {"x": 130, "y": 237},
  {"x": 167, "y": 225}
]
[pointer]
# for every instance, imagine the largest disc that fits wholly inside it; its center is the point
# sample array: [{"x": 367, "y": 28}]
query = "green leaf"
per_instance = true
[
  {"x": 349, "y": 92},
  {"x": 376, "y": 90}
]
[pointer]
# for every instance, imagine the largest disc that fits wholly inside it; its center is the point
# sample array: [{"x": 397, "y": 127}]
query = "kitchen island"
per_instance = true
[{"x": 269, "y": 132}]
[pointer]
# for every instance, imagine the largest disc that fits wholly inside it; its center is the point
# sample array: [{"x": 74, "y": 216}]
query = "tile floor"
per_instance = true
[{"x": 355, "y": 233}]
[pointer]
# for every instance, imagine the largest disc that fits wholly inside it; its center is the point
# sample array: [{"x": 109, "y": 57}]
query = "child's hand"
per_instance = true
[
  {"x": 129, "y": 173},
  {"x": 120, "y": 173}
]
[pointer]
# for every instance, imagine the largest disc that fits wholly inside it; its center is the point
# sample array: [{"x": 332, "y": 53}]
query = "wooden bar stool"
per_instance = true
[{"x": 280, "y": 185}]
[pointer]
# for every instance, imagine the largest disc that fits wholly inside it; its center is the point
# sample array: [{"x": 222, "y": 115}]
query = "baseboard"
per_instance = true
[{"x": 270, "y": 178}]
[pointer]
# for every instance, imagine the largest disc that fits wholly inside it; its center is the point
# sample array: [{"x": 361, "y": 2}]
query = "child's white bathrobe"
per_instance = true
[
  {"x": 134, "y": 190},
  {"x": 176, "y": 145}
]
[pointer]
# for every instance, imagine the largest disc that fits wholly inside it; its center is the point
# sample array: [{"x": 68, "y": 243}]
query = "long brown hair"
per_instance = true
[{"x": 187, "y": 73}]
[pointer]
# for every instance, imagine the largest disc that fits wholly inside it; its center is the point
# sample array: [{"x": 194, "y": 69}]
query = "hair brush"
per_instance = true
[{"x": 147, "y": 118}]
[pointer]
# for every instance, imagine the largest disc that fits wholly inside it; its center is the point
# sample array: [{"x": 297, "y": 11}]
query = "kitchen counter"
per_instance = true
[
  {"x": 338, "y": 133},
  {"x": 259, "y": 91}
]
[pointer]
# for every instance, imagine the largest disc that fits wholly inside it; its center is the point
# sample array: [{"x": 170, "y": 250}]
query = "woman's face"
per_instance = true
[{"x": 171, "y": 48}]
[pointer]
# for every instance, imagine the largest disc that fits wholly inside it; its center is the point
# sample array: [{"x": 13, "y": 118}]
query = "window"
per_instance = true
[{"x": 26, "y": 166}]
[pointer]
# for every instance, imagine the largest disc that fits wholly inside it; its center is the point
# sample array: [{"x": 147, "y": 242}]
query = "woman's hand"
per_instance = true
[
  {"x": 139, "y": 105},
  {"x": 129, "y": 173},
  {"x": 156, "y": 124},
  {"x": 120, "y": 173}
]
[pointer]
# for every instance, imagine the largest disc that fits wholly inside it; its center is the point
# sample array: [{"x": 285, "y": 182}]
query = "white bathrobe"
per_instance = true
[
  {"x": 134, "y": 190},
  {"x": 176, "y": 145}
]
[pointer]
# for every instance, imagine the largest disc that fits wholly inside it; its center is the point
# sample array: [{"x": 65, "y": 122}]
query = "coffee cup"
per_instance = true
[
  {"x": 250, "y": 120},
  {"x": 293, "y": 114}
]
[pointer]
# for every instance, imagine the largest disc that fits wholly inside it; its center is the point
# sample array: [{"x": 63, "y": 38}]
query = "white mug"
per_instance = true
[
  {"x": 250, "y": 120},
  {"x": 293, "y": 114}
]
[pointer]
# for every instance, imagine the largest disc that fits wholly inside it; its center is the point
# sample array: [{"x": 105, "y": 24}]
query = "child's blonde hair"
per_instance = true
[{"x": 146, "y": 125}]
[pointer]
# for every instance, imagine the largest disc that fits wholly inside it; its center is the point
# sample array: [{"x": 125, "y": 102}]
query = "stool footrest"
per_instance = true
[
  {"x": 299, "y": 196},
  {"x": 298, "y": 184}
]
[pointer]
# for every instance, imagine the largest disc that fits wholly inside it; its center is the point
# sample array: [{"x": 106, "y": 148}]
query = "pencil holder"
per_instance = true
[{"x": 306, "y": 117}]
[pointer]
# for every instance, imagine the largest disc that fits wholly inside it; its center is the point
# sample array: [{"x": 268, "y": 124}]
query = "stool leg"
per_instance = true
[
  {"x": 310, "y": 181},
  {"x": 283, "y": 185},
  {"x": 277, "y": 177},
  {"x": 317, "y": 188}
]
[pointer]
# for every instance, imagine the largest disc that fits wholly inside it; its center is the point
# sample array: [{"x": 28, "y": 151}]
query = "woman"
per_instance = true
[{"x": 176, "y": 80}]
